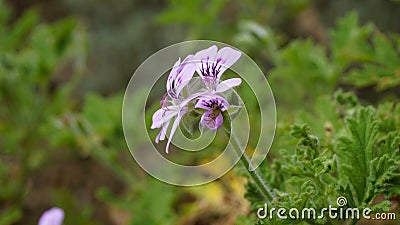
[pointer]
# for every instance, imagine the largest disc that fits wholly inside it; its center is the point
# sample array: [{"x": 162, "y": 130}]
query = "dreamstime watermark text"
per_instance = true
[{"x": 339, "y": 212}]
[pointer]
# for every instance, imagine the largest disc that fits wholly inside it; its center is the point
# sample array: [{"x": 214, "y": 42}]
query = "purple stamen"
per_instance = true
[{"x": 211, "y": 69}]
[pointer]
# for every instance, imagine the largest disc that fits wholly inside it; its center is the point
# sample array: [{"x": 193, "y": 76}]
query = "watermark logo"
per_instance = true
[
  {"x": 341, "y": 201},
  {"x": 188, "y": 162},
  {"x": 341, "y": 212}
]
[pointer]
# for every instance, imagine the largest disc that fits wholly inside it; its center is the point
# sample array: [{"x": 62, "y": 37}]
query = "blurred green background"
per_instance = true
[{"x": 64, "y": 65}]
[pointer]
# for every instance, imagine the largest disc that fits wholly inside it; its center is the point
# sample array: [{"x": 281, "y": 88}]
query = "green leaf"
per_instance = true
[
  {"x": 383, "y": 68},
  {"x": 350, "y": 41},
  {"x": 10, "y": 216},
  {"x": 356, "y": 152},
  {"x": 17, "y": 34},
  {"x": 385, "y": 175},
  {"x": 304, "y": 70}
]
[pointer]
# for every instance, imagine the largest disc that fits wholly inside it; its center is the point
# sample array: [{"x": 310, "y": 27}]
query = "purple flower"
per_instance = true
[
  {"x": 180, "y": 75},
  {"x": 53, "y": 216},
  {"x": 211, "y": 64},
  {"x": 214, "y": 106},
  {"x": 162, "y": 118},
  {"x": 173, "y": 104}
]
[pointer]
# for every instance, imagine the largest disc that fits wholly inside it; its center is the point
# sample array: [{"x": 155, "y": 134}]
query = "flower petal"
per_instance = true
[
  {"x": 207, "y": 101},
  {"x": 163, "y": 132},
  {"x": 173, "y": 129},
  {"x": 228, "y": 84},
  {"x": 205, "y": 60},
  {"x": 186, "y": 73},
  {"x": 163, "y": 115},
  {"x": 172, "y": 76},
  {"x": 180, "y": 75},
  {"x": 228, "y": 56},
  {"x": 53, "y": 216},
  {"x": 213, "y": 123},
  {"x": 179, "y": 111}
]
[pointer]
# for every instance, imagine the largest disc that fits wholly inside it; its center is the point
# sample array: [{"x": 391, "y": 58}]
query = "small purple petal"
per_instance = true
[
  {"x": 180, "y": 75},
  {"x": 229, "y": 56},
  {"x": 53, "y": 216},
  {"x": 173, "y": 129},
  {"x": 204, "y": 60},
  {"x": 203, "y": 104},
  {"x": 211, "y": 121},
  {"x": 211, "y": 63},
  {"x": 157, "y": 119},
  {"x": 172, "y": 75},
  {"x": 228, "y": 84},
  {"x": 162, "y": 116},
  {"x": 179, "y": 111},
  {"x": 163, "y": 132},
  {"x": 207, "y": 102},
  {"x": 186, "y": 74}
]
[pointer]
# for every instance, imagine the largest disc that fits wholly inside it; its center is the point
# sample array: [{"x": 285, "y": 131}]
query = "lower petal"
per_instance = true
[
  {"x": 175, "y": 126},
  {"x": 162, "y": 116},
  {"x": 163, "y": 132},
  {"x": 213, "y": 123}
]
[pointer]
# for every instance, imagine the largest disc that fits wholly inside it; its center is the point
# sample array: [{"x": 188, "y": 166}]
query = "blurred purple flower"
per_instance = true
[
  {"x": 214, "y": 106},
  {"x": 53, "y": 216}
]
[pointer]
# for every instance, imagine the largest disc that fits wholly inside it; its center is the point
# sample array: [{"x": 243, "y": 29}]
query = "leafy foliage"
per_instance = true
[
  {"x": 358, "y": 57},
  {"x": 373, "y": 55},
  {"x": 358, "y": 162},
  {"x": 338, "y": 146},
  {"x": 217, "y": 19},
  {"x": 145, "y": 210},
  {"x": 32, "y": 56}
]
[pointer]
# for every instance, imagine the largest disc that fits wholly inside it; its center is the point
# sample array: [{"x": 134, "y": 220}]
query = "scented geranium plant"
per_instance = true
[
  {"x": 337, "y": 145},
  {"x": 355, "y": 156},
  {"x": 207, "y": 95}
]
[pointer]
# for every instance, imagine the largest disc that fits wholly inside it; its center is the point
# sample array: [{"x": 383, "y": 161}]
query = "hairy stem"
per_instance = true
[{"x": 261, "y": 185}]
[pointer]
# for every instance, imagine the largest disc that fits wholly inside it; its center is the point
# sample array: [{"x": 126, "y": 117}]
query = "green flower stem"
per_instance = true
[{"x": 255, "y": 176}]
